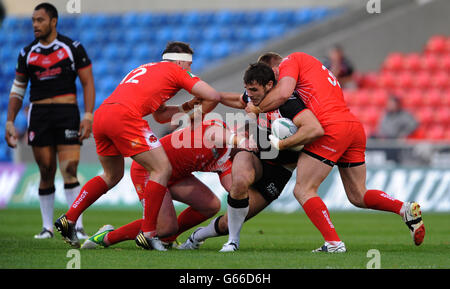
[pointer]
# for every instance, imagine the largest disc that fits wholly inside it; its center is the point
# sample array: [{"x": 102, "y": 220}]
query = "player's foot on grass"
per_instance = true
[
  {"x": 68, "y": 231},
  {"x": 44, "y": 234},
  {"x": 149, "y": 243},
  {"x": 191, "y": 243},
  {"x": 98, "y": 238},
  {"x": 230, "y": 246},
  {"x": 81, "y": 234},
  {"x": 412, "y": 216},
  {"x": 335, "y": 247}
]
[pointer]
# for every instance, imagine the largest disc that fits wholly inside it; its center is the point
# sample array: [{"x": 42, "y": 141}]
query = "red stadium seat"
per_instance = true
[
  {"x": 430, "y": 62},
  {"x": 412, "y": 62},
  {"x": 422, "y": 80},
  {"x": 362, "y": 98},
  {"x": 379, "y": 98},
  {"x": 393, "y": 62},
  {"x": 413, "y": 100},
  {"x": 433, "y": 97},
  {"x": 441, "y": 80},
  {"x": 443, "y": 116},
  {"x": 436, "y": 44},
  {"x": 368, "y": 80},
  {"x": 419, "y": 133},
  {"x": 349, "y": 96},
  {"x": 425, "y": 116},
  {"x": 372, "y": 116},
  {"x": 445, "y": 62},
  {"x": 435, "y": 132},
  {"x": 386, "y": 80},
  {"x": 405, "y": 80}
]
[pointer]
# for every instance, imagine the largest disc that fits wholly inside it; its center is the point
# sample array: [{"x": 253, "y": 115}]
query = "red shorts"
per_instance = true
[
  {"x": 118, "y": 131},
  {"x": 140, "y": 176},
  {"x": 344, "y": 144}
]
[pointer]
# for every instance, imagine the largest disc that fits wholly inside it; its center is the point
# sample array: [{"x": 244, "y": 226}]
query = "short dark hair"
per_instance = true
[
  {"x": 178, "y": 47},
  {"x": 269, "y": 57},
  {"x": 259, "y": 72},
  {"x": 49, "y": 8}
]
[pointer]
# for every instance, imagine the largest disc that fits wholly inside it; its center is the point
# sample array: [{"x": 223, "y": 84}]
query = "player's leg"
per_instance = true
[
  {"x": 310, "y": 174},
  {"x": 45, "y": 157},
  {"x": 113, "y": 169},
  {"x": 246, "y": 170},
  {"x": 219, "y": 225},
  {"x": 107, "y": 235},
  {"x": 68, "y": 159},
  {"x": 156, "y": 162},
  {"x": 203, "y": 204},
  {"x": 354, "y": 180}
]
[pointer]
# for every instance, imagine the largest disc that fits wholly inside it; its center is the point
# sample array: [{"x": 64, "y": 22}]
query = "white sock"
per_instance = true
[
  {"x": 47, "y": 203},
  {"x": 208, "y": 231},
  {"x": 237, "y": 212},
  {"x": 71, "y": 194}
]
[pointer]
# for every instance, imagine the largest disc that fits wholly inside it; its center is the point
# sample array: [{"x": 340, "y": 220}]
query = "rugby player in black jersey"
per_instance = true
[
  {"x": 51, "y": 64},
  {"x": 257, "y": 181}
]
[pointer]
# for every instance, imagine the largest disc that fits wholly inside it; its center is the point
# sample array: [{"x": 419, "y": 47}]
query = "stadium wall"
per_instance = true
[{"x": 429, "y": 187}]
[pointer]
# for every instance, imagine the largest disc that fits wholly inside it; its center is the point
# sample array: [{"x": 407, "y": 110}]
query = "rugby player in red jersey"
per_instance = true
[
  {"x": 120, "y": 131},
  {"x": 343, "y": 143},
  {"x": 205, "y": 148}
]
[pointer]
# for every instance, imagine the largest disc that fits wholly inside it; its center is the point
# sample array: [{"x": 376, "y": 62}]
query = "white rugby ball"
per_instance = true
[{"x": 283, "y": 128}]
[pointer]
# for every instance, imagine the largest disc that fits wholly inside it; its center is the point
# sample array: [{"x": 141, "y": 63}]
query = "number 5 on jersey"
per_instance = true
[{"x": 332, "y": 79}]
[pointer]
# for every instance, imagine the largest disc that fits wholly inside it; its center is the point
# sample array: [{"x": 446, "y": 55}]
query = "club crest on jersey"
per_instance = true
[
  {"x": 152, "y": 138},
  {"x": 31, "y": 135}
]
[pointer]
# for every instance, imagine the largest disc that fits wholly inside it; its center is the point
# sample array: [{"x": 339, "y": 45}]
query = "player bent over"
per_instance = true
[
  {"x": 120, "y": 131},
  {"x": 343, "y": 144},
  {"x": 206, "y": 148},
  {"x": 267, "y": 176}
]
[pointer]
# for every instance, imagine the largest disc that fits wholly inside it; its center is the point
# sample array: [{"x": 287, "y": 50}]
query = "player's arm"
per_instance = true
[
  {"x": 222, "y": 137},
  {"x": 309, "y": 129},
  {"x": 87, "y": 81},
  {"x": 204, "y": 91},
  {"x": 165, "y": 112},
  {"x": 232, "y": 99},
  {"x": 276, "y": 97},
  {"x": 16, "y": 96}
]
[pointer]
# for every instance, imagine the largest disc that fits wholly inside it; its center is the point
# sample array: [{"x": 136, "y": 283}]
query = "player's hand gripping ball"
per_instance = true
[{"x": 283, "y": 128}]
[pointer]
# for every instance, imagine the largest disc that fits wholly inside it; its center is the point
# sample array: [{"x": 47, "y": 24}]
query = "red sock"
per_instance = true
[
  {"x": 318, "y": 213},
  {"x": 89, "y": 193},
  {"x": 153, "y": 198},
  {"x": 378, "y": 200},
  {"x": 124, "y": 233},
  {"x": 186, "y": 220}
]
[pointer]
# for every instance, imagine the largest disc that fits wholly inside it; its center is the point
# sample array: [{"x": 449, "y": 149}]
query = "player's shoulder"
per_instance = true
[
  {"x": 28, "y": 48},
  {"x": 68, "y": 41}
]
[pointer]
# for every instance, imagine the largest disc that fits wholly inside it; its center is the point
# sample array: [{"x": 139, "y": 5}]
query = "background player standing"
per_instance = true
[{"x": 51, "y": 63}]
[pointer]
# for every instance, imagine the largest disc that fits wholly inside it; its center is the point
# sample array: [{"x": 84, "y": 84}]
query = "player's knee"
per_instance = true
[
  {"x": 69, "y": 169},
  {"x": 47, "y": 171},
  {"x": 240, "y": 185},
  {"x": 214, "y": 207},
  {"x": 303, "y": 194}
]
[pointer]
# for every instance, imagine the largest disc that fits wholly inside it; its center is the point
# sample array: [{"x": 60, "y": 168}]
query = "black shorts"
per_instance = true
[
  {"x": 53, "y": 124},
  {"x": 274, "y": 179}
]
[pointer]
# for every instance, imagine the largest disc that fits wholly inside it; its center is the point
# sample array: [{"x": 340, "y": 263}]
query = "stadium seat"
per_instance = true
[
  {"x": 422, "y": 80},
  {"x": 372, "y": 116},
  {"x": 404, "y": 80},
  {"x": 442, "y": 115},
  {"x": 430, "y": 62},
  {"x": 413, "y": 99},
  {"x": 435, "y": 132},
  {"x": 386, "y": 80},
  {"x": 412, "y": 62},
  {"x": 433, "y": 97},
  {"x": 363, "y": 98},
  {"x": 393, "y": 63},
  {"x": 425, "y": 116},
  {"x": 441, "y": 80},
  {"x": 379, "y": 98},
  {"x": 436, "y": 44}
]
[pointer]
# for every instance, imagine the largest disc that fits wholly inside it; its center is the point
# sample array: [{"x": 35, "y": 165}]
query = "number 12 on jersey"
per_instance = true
[{"x": 134, "y": 74}]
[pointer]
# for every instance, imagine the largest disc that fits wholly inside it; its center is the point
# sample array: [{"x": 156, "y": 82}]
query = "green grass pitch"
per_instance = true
[{"x": 269, "y": 241}]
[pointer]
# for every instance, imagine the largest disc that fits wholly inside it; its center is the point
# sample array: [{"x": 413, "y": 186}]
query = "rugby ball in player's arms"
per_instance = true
[{"x": 283, "y": 128}]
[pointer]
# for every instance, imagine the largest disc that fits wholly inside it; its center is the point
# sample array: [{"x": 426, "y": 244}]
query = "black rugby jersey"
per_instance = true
[
  {"x": 52, "y": 69},
  {"x": 290, "y": 109}
]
